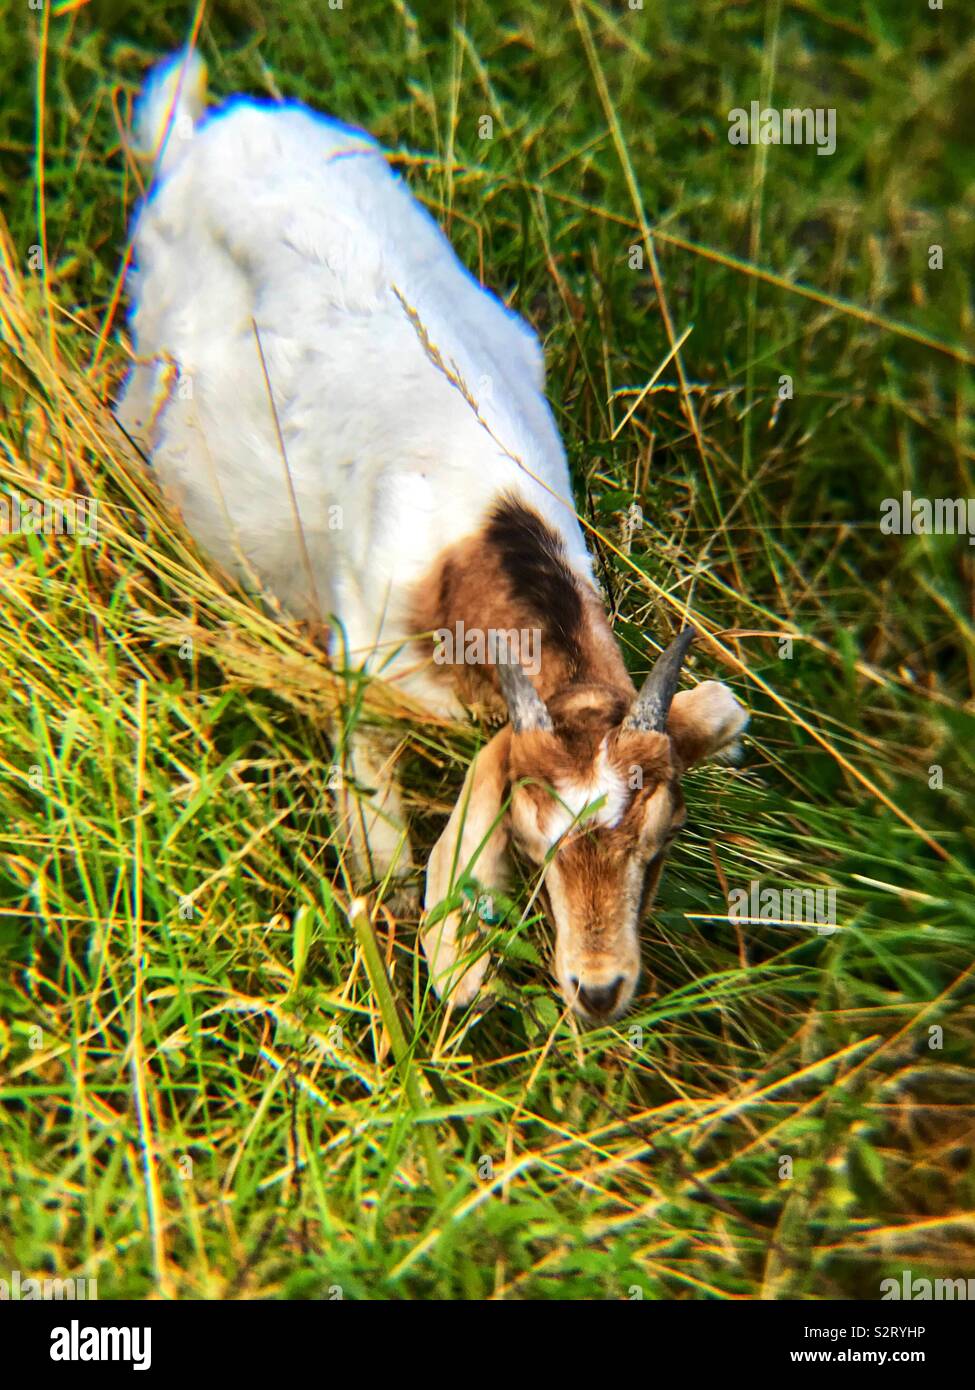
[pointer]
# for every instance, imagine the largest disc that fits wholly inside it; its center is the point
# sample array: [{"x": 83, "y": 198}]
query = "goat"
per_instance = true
[{"x": 341, "y": 361}]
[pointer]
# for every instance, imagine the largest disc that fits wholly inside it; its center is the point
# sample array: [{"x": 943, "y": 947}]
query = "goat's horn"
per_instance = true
[
  {"x": 526, "y": 708},
  {"x": 651, "y": 707}
]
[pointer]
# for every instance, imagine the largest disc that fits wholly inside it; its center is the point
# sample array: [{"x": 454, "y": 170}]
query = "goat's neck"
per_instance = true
[{"x": 512, "y": 577}]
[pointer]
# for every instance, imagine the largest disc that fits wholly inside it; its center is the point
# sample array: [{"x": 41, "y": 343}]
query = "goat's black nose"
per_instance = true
[{"x": 600, "y": 1000}]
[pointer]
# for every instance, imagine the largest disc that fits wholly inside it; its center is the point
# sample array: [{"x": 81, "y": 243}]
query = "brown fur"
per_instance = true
[
  {"x": 599, "y": 873},
  {"x": 512, "y": 575}
]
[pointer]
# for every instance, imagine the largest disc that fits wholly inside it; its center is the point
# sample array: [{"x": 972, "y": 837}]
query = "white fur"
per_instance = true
[
  {"x": 275, "y": 214},
  {"x": 606, "y": 785}
]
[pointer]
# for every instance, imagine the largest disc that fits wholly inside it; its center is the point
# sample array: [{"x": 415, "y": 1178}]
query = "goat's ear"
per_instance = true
[
  {"x": 478, "y": 826},
  {"x": 705, "y": 722}
]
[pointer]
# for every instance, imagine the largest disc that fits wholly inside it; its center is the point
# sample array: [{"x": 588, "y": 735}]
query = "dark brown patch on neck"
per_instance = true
[
  {"x": 513, "y": 575},
  {"x": 532, "y": 560}
]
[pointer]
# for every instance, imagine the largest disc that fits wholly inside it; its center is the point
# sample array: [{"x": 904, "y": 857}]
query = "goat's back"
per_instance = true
[{"x": 406, "y": 396}]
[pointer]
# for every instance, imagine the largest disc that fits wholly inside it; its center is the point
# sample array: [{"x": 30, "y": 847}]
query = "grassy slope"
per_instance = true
[{"x": 208, "y": 1104}]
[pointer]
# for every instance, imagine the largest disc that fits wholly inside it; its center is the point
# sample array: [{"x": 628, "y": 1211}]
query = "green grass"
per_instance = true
[{"x": 214, "y": 1081}]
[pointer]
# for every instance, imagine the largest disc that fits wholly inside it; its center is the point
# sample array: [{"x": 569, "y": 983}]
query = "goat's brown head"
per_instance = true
[
  {"x": 595, "y": 802},
  {"x": 587, "y": 789}
]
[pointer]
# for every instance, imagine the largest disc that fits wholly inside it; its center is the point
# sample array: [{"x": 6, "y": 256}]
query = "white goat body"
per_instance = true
[{"x": 270, "y": 222}]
